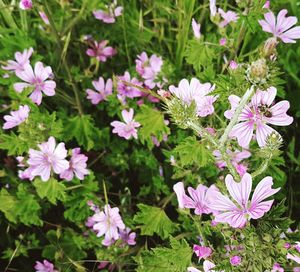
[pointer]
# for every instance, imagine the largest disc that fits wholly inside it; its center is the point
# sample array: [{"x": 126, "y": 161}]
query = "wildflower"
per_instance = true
[
  {"x": 44, "y": 17},
  {"x": 36, "y": 79},
  {"x": 235, "y": 157},
  {"x": 237, "y": 215},
  {"x": 108, "y": 223},
  {"x": 212, "y": 7},
  {"x": 16, "y": 117},
  {"x": 233, "y": 65},
  {"x": 235, "y": 260},
  {"x": 77, "y": 166},
  {"x": 293, "y": 258},
  {"x": 100, "y": 51},
  {"x": 196, "y": 29},
  {"x": 127, "y": 237},
  {"x": 222, "y": 41},
  {"x": 202, "y": 251},
  {"x": 127, "y": 128},
  {"x": 103, "y": 90},
  {"x": 25, "y": 4},
  {"x": 229, "y": 16},
  {"x": 127, "y": 90},
  {"x": 193, "y": 269},
  {"x": 267, "y": 4},
  {"x": 109, "y": 15},
  {"x": 49, "y": 157},
  {"x": 256, "y": 115},
  {"x": 277, "y": 268},
  {"x": 198, "y": 199},
  {"x": 45, "y": 266},
  {"x": 21, "y": 59},
  {"x": 149, "y": 69},
  {"x": 198, "y": 92},
  {"x": 26, "y": 174},
  {"x": 282, "y": 27}
]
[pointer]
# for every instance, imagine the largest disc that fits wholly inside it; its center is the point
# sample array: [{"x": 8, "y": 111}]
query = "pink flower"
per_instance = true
[
  {"x": 267, "y": 4},
  {"x": 237, "y": 215},
  {"x": 212, "y": 7},
  {"x": 297, "y": 246},
  {"x": 127, "y": 237},
  {"x": 198, "y": 92},
  {"x": 16, "y": 117},
  {"x": 229, "y": 16},
  {"x": 293, "y": 258},
  {"x": 128, "y": 128},
  {"x": 202, "y": 251},
  {"x": 26, "y": 174},
  {"x": 235, "y": 157},
  {"x": 21, "y": 59},
  {"x": 149, "y": 69},
  {"x": 196, "y": 29},
  {"x": 49, "y": 157},
  {"x": 127, "y": 90},
  {"x": 282, "y": 27},
  {"x": 198, "y": 199},
  {"x": 109, "y": 15},
  {"x": 207, "y": 266},
  {"x": 222, "y": 41},
  {"x": 233, "y": 65},
  {"x": 44, "y": 17},
  {"x": 235, "y": 260},
  {"x": 277, "y": 268},
  {"x": 256, "y": 115},
  {"x": 108, "y": 223},
  {"x": 77, "y": 166},
  {"x": 37, "y": 80},
  {"x": 100, "y": 51},
  {"x": 45, "y": 266},
  {"x": 103, "y": 90},
  {"x": 25, "y": 4}
]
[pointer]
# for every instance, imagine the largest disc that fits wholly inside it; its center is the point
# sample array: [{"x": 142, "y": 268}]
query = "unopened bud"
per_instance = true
[
  {"x": 258, "y": 71},
  {"x": 273, "y": 141},
  {"x": 269, "y": 48}
]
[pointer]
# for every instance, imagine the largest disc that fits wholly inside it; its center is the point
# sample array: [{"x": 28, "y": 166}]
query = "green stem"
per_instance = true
[
  {"x": 65, "y": 63},
  {"x": 263, "y": 167},
  {"x": 236, "y": 115},
  {"x": 6, "y": 14}
]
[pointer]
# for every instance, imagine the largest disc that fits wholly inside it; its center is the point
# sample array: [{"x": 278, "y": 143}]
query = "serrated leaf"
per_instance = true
[
  {"x": 154, "y": 220},
  {"x": 162, "y": 259},
  {"x": 153, "y": 124},
  {"x": 51, "y": 189},
  {"x": 191, "y": 152},
  {"x": 28, "y": 209},
  {"x": 7, "y": 206},
  {"x": 12, "y": 144}
]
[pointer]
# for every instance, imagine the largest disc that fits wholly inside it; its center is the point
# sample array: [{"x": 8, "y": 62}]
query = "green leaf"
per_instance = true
[
  {"x": 51, "y": 189},
  {"x": 162, "y": 259},
  {"x": 12, "y": 144},
  {"x": 153, "y": 124},
  {"x": 27, "y": 209},
  {"x": 8, "y": 205},
  {"x": 154, "y": 220},
  {"x": 83, "y": 129},
  {"x": 191, "y": 152}
]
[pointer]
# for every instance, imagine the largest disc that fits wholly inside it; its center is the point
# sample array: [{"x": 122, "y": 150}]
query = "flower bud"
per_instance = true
[
  {"x": 269, "y": 48},
  {"x": 258, "y": 71}
]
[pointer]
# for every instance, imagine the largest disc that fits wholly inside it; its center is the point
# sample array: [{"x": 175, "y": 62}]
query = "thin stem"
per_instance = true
[
  {"x": 263, "y": 167},
  {"x": 202, "y": 131},
  {"x": 236, "y": 115},
  {"x": 65, "y": 63}
]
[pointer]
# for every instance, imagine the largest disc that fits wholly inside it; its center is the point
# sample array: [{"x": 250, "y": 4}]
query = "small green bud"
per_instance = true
[{"x": 258, "y": 71}]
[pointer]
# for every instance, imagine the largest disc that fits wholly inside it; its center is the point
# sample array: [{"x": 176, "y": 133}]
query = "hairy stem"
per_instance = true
[
  {"x": 263, "y": 167},
  {"x": 236, "y": 115},
  {"x": 65, "y": 63}
]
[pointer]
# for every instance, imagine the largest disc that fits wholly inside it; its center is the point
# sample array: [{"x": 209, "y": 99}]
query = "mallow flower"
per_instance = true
[
  {"x": 282, "y": 27},
  {"x": 16, "y": 117},
  {"x": 197, "y": 200},
  {"x": 212, "y": 7},
  {"x": 44, "y": 17},
  {"x": 256, "y": 115},
  {"x": 126, "y": 90},
  {"x": 126, "y": 129},
  {"x": 149, "y": 69},
  {"x": 100, "y": 51},
  {"x": 25, "y": 4},
  {"x": 197, "y": 92},
  {"x": 228, "y": 17},
  {"x": 207, "y": 267},
  {"x": 38, "y": 80},
  {"x": 48, "y": 157},
  {"x": 77, "y": 166},
  {"x": 108, "y": 16},
  {"x": 21, "y": 59},
  {"x": 196, "y": 29},
  {"x": 202, "y": 251},
  {"x": 103, "y": 90},
  {"x": 108, "y": 223},
  {"x": 127, "y": 237},
  {"x": 44, "y": 266},
  {"x": 239, "y": 212}
]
